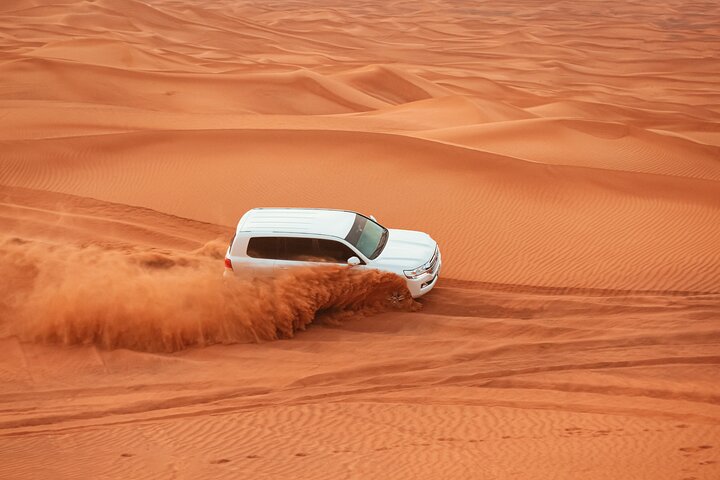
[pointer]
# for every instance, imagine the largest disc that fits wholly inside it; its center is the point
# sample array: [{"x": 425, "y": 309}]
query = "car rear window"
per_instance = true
[{"x": 264, "y": 247}]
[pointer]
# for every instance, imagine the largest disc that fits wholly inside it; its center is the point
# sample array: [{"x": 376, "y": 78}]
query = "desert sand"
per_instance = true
[{"x": 565, "y": 156}]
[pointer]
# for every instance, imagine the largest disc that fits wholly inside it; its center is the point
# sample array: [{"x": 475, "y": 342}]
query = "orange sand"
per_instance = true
[{"x": 565, "y": 155}]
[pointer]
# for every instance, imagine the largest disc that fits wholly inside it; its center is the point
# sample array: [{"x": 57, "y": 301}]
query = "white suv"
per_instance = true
[{"x": 275, "y": 238}]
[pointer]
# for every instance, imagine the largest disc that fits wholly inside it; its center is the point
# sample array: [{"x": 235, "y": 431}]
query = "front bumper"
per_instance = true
[{"x": 424, "y": 283}]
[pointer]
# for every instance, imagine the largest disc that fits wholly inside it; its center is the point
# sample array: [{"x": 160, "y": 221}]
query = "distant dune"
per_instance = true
[{"x": 565, "y": 156}]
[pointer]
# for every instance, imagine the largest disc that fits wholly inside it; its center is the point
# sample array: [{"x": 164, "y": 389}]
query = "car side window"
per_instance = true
[
  {"x": 264, "y": 247},
  {"x": 332, "y": 251},
  {"x": 298, "y": 249}
]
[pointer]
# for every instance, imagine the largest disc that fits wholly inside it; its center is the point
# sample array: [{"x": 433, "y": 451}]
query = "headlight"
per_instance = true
[{"x": 416, "y": 272}]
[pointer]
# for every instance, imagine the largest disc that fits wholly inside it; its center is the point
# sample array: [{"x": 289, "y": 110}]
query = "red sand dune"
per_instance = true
[{"x": 566, "y": 157}]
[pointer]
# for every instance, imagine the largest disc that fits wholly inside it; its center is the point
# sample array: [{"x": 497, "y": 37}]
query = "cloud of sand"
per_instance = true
[{"x": 167, "y": 301}]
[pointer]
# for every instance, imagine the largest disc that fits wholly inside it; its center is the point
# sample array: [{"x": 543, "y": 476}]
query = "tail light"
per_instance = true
[{"x": 228, "y": 263}]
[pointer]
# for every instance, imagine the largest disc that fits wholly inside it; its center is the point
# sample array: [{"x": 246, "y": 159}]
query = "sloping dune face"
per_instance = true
[
  {"x": 538, "y": 146},
  {"x": 565, "y": 156}
]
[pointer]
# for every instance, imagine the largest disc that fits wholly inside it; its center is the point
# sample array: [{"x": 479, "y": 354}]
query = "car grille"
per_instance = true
[{"x": 433, "y": 261}]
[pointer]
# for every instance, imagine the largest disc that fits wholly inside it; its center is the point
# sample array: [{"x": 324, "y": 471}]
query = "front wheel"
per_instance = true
[{"x": 396, "y": 298}]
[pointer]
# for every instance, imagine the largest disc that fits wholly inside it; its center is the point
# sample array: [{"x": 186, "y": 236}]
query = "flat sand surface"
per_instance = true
[{"x": 565, "y": 155}]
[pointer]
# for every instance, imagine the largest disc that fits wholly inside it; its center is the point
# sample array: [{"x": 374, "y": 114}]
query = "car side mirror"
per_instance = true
[{"x": 352, "y": 261}]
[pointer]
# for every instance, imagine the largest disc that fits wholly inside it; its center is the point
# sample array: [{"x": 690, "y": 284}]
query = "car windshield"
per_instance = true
[{"x": 367, "y": 236}]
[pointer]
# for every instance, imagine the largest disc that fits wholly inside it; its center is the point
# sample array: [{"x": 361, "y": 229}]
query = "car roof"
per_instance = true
[{"x": 315, "y": 221}]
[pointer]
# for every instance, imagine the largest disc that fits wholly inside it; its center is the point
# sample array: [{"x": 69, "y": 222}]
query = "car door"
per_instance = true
[
  {"x": 262, "y": 253},
  {"x": 333, "y": 251},
  {"x": 295, "y": 251}
]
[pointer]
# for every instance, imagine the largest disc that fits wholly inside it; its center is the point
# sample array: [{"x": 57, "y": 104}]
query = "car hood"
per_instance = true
[{"x": 406, "y": 249}]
